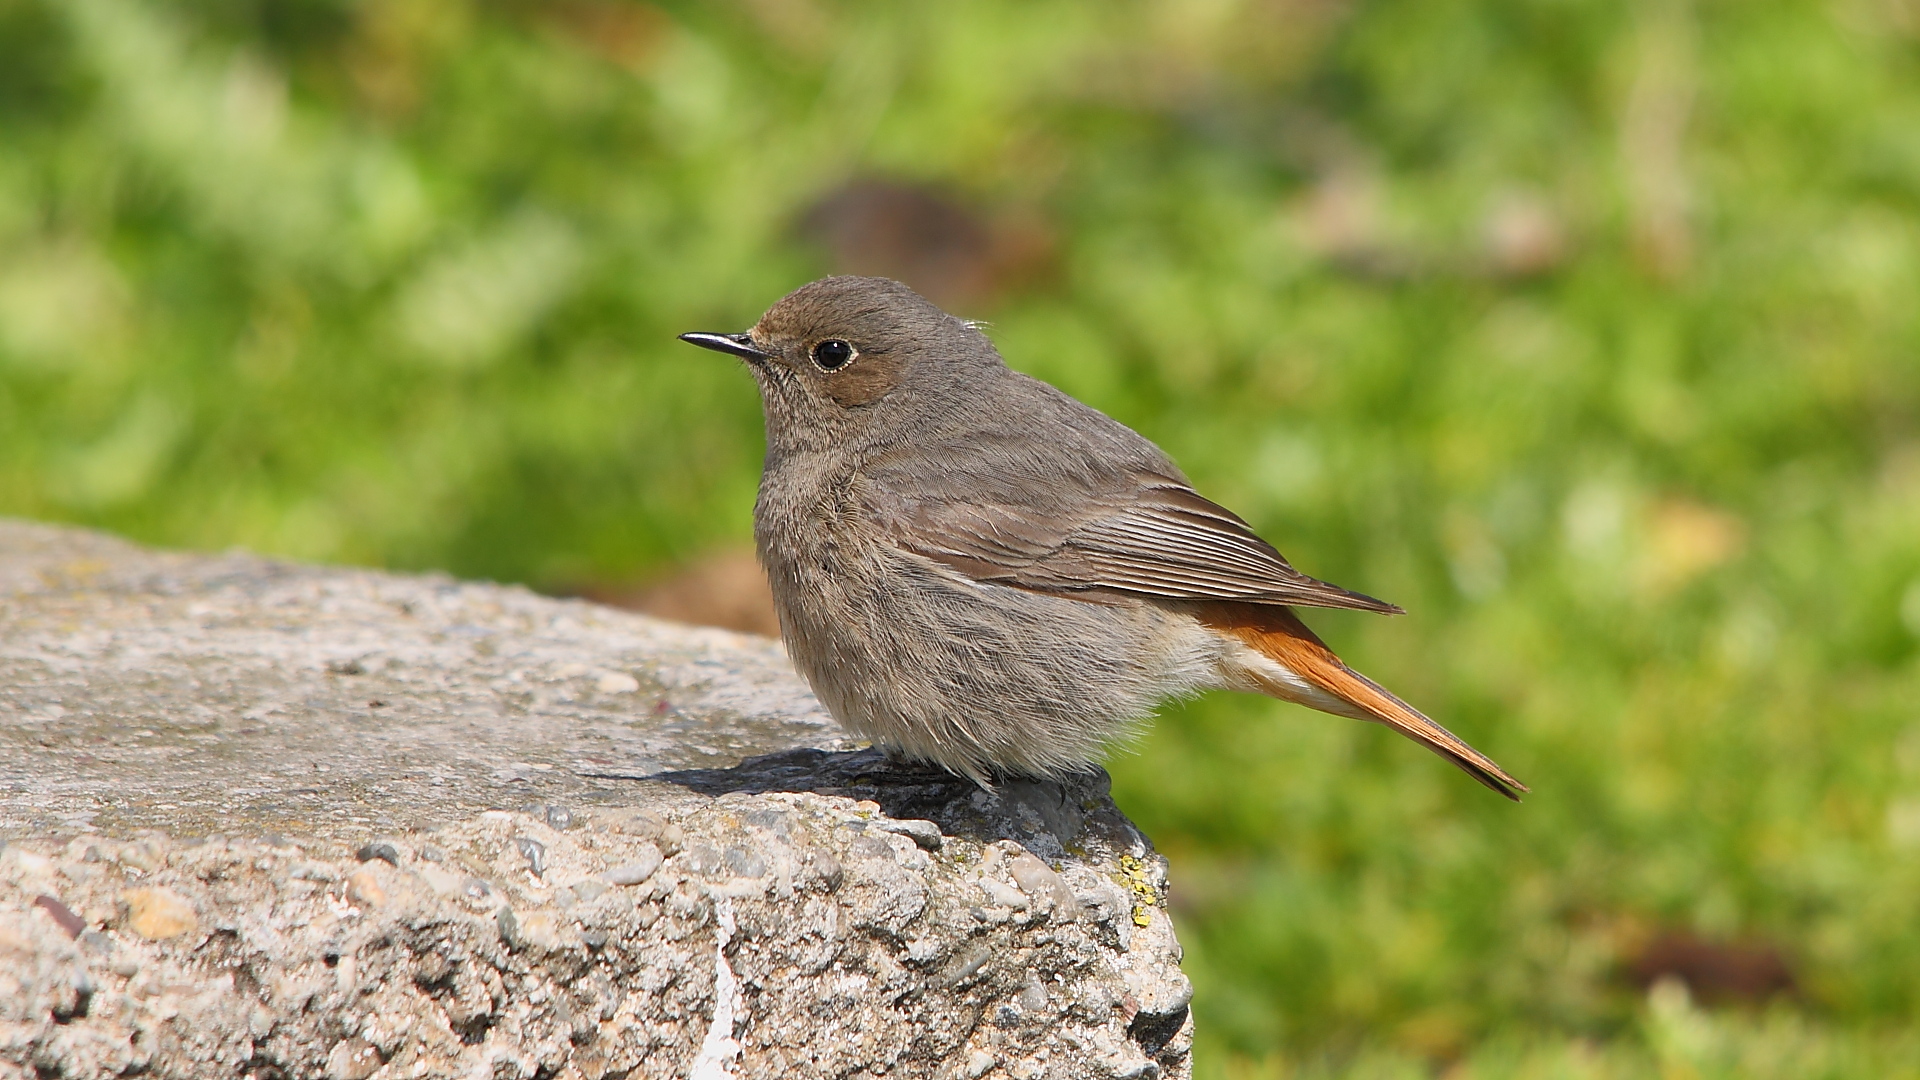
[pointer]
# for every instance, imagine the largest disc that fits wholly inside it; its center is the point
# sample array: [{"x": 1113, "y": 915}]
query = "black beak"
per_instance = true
[{"x": 737, "y": 344}]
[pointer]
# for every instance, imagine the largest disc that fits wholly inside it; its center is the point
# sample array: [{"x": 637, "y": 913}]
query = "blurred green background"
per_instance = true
[{"x": 1588, "y": 331}]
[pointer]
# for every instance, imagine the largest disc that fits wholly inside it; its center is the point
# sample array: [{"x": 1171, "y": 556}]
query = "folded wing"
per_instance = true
[{"x": 1146, "y": 534}]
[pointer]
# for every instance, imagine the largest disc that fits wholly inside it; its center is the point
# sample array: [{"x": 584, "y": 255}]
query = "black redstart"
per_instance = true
[{"x": 974, "y": 570}]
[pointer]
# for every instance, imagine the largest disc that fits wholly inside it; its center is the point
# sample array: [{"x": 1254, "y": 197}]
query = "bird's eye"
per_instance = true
[{"x": 833, "y": 354}]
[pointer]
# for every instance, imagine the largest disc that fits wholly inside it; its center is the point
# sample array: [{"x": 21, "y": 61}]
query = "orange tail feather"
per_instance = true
[{"x": 1279, "y": 635}]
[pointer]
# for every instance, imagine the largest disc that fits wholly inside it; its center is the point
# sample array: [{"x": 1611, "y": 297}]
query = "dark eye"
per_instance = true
[{"x": 833, "y": 354}]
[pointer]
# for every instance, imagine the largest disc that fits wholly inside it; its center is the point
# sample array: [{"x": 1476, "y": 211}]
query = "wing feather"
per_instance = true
[{"x": 1151, "y": 535}]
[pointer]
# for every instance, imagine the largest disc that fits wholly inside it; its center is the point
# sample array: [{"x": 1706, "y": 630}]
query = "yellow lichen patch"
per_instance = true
[{"x": 1134, "y": 877}]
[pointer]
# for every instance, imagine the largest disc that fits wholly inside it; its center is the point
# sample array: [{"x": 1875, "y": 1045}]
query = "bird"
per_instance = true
[{"x": 975, "y": 571}]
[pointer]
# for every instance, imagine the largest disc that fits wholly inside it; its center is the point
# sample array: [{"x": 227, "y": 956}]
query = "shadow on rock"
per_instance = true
[{"x": 1053, "y": 818}]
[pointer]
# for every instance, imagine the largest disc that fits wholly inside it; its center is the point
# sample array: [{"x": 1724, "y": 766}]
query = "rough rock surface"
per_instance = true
[{"x": 266, "y": 820}]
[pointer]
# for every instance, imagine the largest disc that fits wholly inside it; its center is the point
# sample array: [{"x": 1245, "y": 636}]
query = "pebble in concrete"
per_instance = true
[{"x": 158, "y": 913}]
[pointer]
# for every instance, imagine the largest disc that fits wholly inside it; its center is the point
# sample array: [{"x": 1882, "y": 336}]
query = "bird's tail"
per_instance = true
[{"x": 1323, "y": 681}]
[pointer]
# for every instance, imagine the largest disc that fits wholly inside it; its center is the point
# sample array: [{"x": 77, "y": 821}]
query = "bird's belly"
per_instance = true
[{"x": 979, "y": 678}]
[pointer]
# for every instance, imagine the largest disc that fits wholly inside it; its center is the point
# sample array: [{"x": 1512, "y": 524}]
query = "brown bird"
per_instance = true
[{"x": 975, "y": 570}]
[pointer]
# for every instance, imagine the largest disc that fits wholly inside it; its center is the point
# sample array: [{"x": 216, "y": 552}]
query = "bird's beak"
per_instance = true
[{"x": 737, "y": 344}]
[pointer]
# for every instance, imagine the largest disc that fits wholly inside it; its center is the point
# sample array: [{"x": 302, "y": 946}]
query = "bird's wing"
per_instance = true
[{"x": 1148, "y": 535}]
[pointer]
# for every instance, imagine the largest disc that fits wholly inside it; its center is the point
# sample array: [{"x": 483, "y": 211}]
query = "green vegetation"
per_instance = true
[{"x": 1589, "y": 332}]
